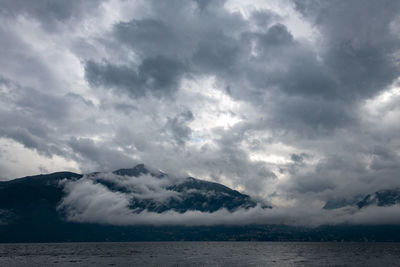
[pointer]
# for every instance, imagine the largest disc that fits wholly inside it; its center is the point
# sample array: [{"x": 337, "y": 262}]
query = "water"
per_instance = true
[{"x": 201, "y": 254}]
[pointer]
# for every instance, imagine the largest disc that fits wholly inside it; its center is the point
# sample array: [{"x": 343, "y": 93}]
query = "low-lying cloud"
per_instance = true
[{"x": 88, "y": 201}]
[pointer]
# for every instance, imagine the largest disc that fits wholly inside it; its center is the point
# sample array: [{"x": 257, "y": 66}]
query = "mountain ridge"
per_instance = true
[
  {"x": 27, "y": 195},
  {"x": 380, "y": 198},
  {"x": 31, "y": 211}
]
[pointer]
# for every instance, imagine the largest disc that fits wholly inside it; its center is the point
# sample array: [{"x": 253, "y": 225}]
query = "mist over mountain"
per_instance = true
[
  {"x": 142, "y": 203},
  {"x": 116, "y": 197},
  {"x": 382, "y": 198},
  {"x": 71, "y": 196}
]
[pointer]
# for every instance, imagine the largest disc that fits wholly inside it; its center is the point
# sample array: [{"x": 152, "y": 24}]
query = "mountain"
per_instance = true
[
  {"x": 37, "y": 199},
  {"x": 381, "y": 198},
  {"x": 155, "y": 191},
  {"x": 32, "y": 199},
  {"x": 55, "y": 208}
]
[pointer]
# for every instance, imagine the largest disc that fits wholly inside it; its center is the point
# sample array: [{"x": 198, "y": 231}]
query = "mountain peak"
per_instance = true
[
  {"x": 136, "y": 171},
  {"x": 381, "y": 198}
]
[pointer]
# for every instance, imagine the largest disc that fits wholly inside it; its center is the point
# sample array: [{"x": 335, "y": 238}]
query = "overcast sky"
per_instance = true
[{"x": 291, "y": 101}]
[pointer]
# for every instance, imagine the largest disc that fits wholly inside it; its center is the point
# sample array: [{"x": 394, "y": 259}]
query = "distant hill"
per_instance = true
[
  {"x": 33, "y": 202},
  {"x": 28, "y": 197},
  {"x": 381, "y": 198},
  {"x": 31, "y": 210}
]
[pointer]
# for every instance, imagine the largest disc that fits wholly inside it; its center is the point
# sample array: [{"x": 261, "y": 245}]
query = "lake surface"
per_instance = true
[{"x": 201, "y": 254}]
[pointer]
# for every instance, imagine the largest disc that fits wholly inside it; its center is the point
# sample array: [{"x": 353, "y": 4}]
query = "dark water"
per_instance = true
[{"x": 201, "y": 254}]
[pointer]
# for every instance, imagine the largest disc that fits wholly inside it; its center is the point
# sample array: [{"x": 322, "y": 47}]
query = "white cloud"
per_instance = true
[
  {"x": 18, "y": 161},
  {"x": 88, "y": 201}
]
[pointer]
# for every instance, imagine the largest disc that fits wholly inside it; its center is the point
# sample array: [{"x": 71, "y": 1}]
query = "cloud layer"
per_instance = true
[
  {"x": 290, "y": 101},
  {"x": 91, "y": 200}
]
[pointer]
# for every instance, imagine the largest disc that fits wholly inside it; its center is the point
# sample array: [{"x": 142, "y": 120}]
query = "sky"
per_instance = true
[{"x": 289, "y": 101}]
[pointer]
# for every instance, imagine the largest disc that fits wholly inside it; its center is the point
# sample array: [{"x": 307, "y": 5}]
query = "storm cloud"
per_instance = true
[{"x": 294, "y": 102}]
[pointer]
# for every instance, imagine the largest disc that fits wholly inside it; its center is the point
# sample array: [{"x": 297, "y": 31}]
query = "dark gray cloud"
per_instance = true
[
  {"x": 312, "y": 115},
  {"x": 49, "y": 13},
  {"x": 98, "y": 156},
  {"x": 148, "y": 36},
  {"x": 358, "y": 43},
  {"x": 157, "y": 75},
  {"x": 299, "y": 158},
  {"x": 220, "y": 55},
  {"x": 178, "y": 126},
  {"x": 21, "y": 107}
]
